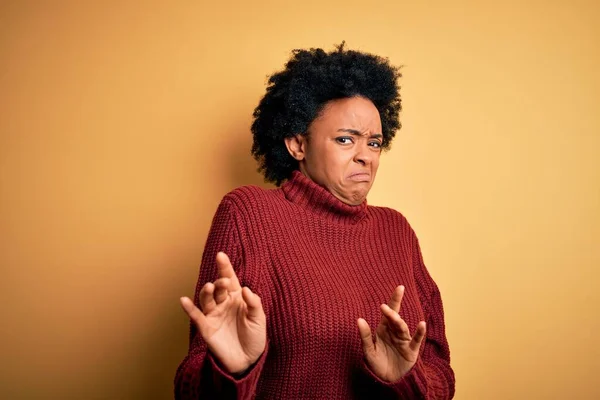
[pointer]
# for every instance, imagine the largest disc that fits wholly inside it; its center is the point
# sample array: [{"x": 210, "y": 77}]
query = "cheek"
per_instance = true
[
  {"x": 376, "y": 161},
  {"x": 378, "y": 156},
  {"x": 338, "y": 160}
]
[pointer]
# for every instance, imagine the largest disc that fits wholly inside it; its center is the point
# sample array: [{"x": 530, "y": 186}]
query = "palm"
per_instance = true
[
  {"x": 394, "y": 351},
  {"x": 393, "y": 356},
  {"x": 230, "y": 319},
  {"x": 230, "y": 335}
]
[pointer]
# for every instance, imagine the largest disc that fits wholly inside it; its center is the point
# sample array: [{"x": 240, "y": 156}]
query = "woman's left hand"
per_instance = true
[{"x": 394, "y": 351}]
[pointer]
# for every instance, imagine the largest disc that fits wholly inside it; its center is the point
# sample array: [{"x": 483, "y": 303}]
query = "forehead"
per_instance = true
[{"x": 353, "y": 112}]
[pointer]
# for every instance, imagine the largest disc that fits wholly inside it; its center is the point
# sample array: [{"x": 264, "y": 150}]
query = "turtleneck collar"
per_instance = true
[{"x": 302, "y": 190}]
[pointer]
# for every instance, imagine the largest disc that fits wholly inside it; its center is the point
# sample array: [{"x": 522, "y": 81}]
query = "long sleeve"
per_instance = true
[
  {"x": 199, "y": 375},
  {"x": 431, "y": 377},
  {"x": 298, "y": 247}
]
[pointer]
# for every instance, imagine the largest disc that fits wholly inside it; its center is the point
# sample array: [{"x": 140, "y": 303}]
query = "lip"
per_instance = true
[{"x": 360, "y": 177}]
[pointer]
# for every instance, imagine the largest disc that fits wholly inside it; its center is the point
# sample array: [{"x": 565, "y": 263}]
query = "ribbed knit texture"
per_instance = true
[{"x": 318, "y": 265}]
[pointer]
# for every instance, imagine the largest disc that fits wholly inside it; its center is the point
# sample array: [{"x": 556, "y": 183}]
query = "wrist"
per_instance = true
[{"x": 243, "y": 369}]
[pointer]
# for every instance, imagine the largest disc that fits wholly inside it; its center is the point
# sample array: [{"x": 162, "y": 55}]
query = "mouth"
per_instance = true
[{"x": 360, "y": 177}]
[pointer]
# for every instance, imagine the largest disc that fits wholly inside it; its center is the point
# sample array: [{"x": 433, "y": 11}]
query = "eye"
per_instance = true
[
  {"x": 344, "y": 140},
  {"x": 375, "y": 144}
]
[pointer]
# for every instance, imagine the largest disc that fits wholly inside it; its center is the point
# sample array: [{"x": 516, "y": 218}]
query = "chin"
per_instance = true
[{"x": 357, "y": 198}]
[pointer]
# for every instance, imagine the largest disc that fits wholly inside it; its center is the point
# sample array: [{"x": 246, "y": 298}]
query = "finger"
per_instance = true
[
  {"x": 396, "y": 299},
  {"x": 253, "y": 302},
  {"x": 206, "y": 299},
  {"x": 397, "y": 324},
  {"x": 416, "y": 341},
  {"x": 388, "y": 315},
  {"x": 226, "y": 270},
  {"x": 192, "y": 311},
  {"x": 221, "y": 290},
  {"x": 366, "y": 336}
]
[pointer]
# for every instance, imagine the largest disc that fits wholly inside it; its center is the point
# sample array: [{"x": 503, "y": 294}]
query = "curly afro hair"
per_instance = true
[{"x": 296, "y": 95}]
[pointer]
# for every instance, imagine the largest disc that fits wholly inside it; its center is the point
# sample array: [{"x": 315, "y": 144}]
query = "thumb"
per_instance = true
[
  {"x": 415, "y": 343},
  {"x": 254, "y": 304},
  {"x": 192, "y": 311},
  {"x": 366, "y": 336}
]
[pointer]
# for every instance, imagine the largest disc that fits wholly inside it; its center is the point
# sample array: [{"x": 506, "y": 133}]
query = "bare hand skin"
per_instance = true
[
  {"x": 230, "y": 319},
  {"x": 393, "y": 352}
]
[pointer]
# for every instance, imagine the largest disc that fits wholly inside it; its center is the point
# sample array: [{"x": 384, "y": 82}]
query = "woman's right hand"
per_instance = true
[{"x": 230, "y": 319}]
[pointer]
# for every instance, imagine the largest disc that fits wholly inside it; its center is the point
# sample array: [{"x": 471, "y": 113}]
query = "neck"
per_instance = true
[{"x": 316, "y": 199}]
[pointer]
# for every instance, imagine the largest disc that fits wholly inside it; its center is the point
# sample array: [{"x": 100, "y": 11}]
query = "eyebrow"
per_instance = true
[{"x": 357, "y": 133}]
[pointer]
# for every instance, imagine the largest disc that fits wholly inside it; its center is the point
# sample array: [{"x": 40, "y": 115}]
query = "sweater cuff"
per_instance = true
[
  {"x": 412, "y": 385},
  {"x": 245, "y": 385}
]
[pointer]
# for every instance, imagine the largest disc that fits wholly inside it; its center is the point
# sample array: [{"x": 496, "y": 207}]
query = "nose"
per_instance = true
[{"x": 363, "y": 155}]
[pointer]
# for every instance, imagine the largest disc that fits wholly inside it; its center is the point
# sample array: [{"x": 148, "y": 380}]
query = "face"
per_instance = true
[{"x": 342, "y": 148}]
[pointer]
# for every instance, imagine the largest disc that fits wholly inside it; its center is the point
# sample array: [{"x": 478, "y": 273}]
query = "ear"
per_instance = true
[{"x": 296, "y": 146}]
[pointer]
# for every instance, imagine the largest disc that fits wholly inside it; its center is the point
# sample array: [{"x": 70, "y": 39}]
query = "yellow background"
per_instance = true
[{"x": 123, "y": 124}]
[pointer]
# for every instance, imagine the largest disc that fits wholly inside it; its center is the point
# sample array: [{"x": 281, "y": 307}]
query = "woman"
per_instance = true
[{"x": 293, "y": 279}]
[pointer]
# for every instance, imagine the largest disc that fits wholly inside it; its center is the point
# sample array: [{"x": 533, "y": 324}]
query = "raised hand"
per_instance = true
[
  {"x": 394, "y": 351},
  {"x": 230, "y": 319}
]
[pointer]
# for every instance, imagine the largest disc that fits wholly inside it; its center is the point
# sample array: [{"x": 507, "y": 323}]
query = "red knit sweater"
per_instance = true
[{"x": 318, "y": 264}]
